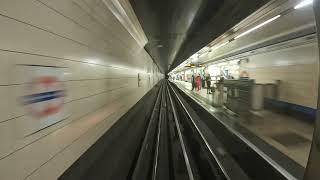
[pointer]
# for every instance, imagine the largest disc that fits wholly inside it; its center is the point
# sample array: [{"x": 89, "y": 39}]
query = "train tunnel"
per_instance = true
[{"x": 159, "y": 90}]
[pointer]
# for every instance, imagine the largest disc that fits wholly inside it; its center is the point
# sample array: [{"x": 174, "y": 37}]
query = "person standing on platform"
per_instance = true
[
  {"x": 208, "y": 82},
  {"x": 203, "y": 80},
  {"x": 193, "y": 81},
  {"x": 198, "y": 82}
]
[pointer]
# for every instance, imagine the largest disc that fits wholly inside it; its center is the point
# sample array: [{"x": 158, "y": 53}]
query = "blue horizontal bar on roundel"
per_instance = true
[{"x": 40, "y": 97}]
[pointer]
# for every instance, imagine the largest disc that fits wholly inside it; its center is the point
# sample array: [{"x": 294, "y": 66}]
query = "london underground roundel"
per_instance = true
[{"x": 46, "y": 97}]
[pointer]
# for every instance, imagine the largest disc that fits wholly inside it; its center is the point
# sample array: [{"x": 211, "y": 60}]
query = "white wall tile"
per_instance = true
[{"x": 101, "y": 62}]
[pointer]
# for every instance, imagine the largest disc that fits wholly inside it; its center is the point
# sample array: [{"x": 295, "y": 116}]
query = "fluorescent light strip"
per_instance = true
[
  {"x": 219, "y": 46},
  {"x": 196, "y": 56},
  {"x": 303, "y": 4},
  {"x": 258, "y": 26}
]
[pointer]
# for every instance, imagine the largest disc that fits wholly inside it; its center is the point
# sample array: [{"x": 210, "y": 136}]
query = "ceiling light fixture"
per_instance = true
[
  {"x": 92, "y": 61},
  {"x": 303, "y": 4},
  {"x": 219, "y": 46},
  {"x": 258, "y": 26}
]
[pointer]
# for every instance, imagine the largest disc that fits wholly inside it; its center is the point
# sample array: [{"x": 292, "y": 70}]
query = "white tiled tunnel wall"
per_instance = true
[
  {"x": 101, "y": 65},
  {"x": 295, "y": 67}
]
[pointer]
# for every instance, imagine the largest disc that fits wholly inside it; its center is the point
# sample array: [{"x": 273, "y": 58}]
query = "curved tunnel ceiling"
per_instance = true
[{"x": 176, "y": 29}]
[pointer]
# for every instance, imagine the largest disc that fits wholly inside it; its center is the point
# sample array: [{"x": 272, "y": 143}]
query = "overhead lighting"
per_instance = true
[
  {"x": 205, "y": 49},
  {"x": 219, "y": 46},
  {"x": 194, "y": 60},
  {"x": 201, "y": 55},
  {"x": 92, "y": 61},
  {"x": 303, "y": 4},
  {"x": 194, "y": 56},
  {"x": 258, "y": 26}
]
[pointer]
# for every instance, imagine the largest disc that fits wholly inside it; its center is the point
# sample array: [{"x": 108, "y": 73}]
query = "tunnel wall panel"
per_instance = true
[
  {"x": 101, "y": 63},
  {"x": 296, "y": 68}
]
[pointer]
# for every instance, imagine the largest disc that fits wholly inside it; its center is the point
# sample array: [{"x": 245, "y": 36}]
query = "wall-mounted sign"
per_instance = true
[
  {"x": 43, "y": 98},
  {"x": 46, "y": 96}
]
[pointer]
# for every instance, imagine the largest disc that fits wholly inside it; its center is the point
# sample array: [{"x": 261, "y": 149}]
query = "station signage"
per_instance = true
[{"x": 43, "y": 97}]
